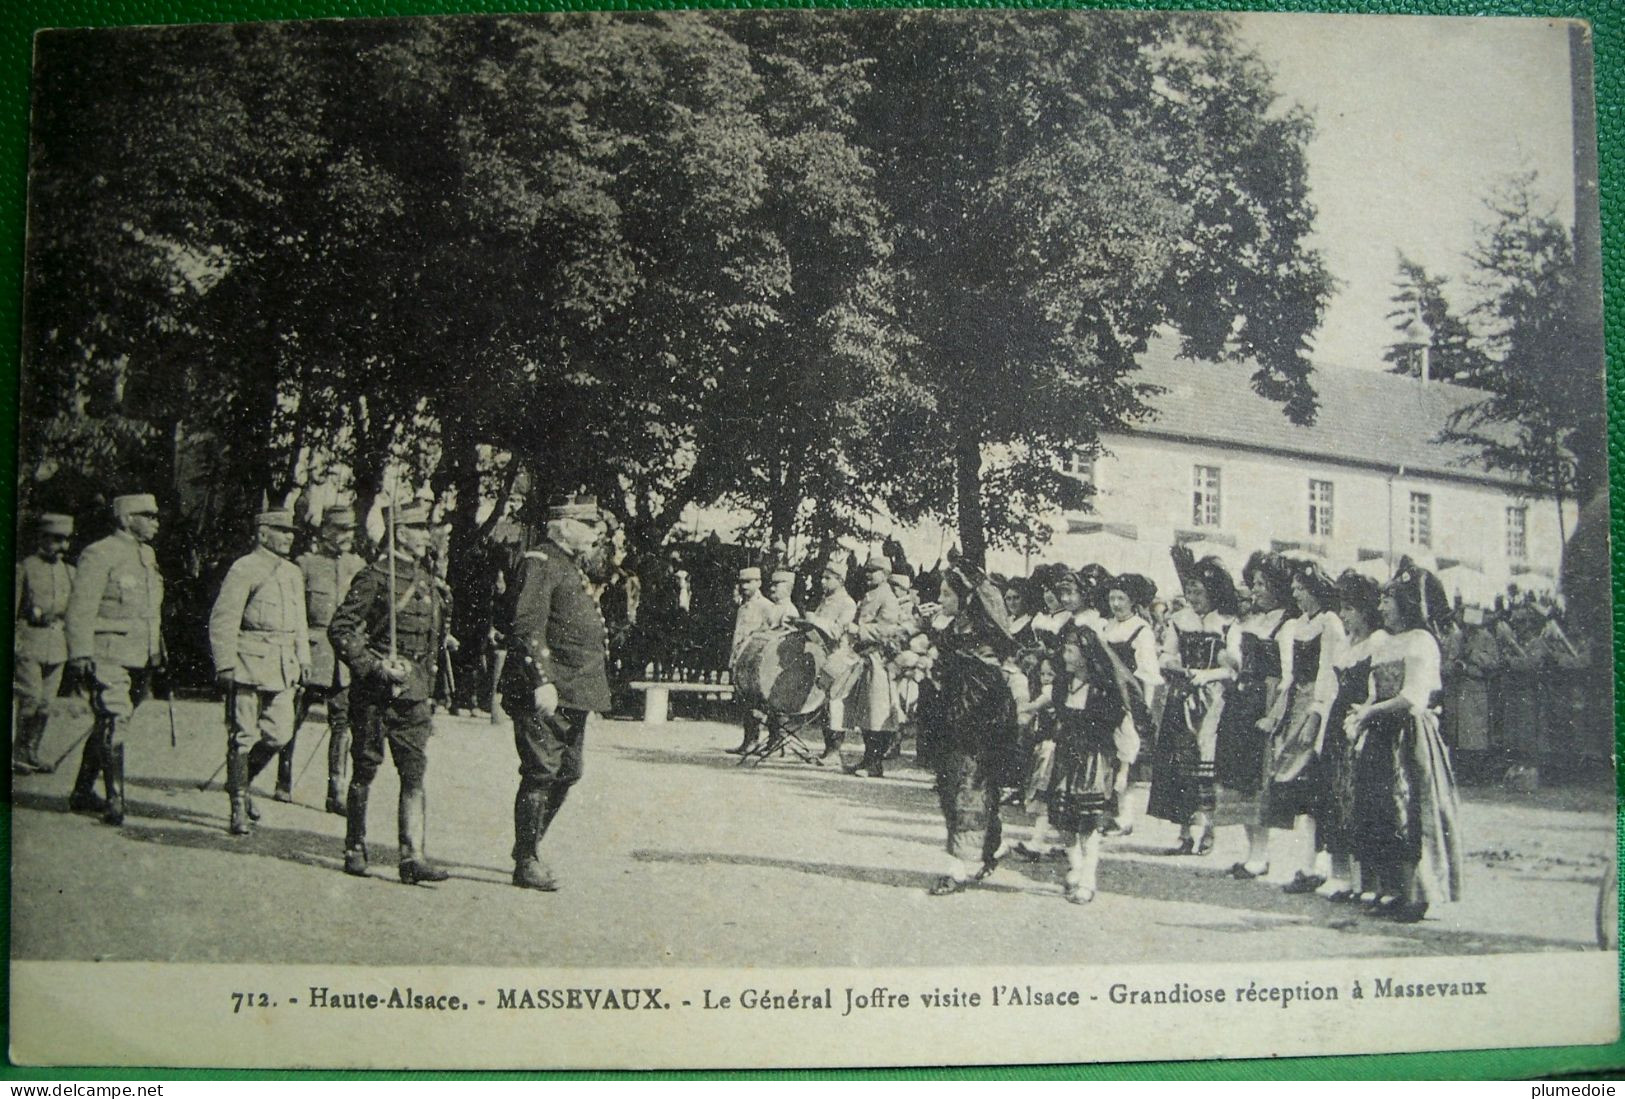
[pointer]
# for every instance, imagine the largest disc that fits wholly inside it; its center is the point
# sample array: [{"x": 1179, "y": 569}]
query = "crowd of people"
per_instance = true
[{"x": 1291, "y": 694}]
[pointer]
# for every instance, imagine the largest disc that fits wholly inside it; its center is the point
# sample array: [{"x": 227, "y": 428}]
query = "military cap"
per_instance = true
[
  {"x": 783, "y": 576},
  {"x": 878, "y": 564},
  {"x": 279, "y": 519},
  {"x": 339, "y": 515},
  {"x": 583, "y": 506},
  {"x": 750, "y": 573},
  {"x": 134, "y": 503},
  {"x": 410, "y": 515},
  {"x": 53, "y": 523}
]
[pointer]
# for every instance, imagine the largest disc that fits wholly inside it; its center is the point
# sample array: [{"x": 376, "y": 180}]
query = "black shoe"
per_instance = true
[
  {"x": 1408, "y": 912},
  {"x": 40, "y": 766},
  {"x": 416, "y": 871},
  {"x": 531, "y": 874},
  {"x": 1204, "y": 846},
  {"x": 335, "y": 803},
  {"x": 284, "y": 796},
  {"x": 946, "y": 886},
  {"x": 250, "y": 808},
  {"x": 1303, "y": 883},
  {"x": 355, "y": 862},
  {"x": 1187, "y": 846},
  {"x": 1240, "y": 872}
]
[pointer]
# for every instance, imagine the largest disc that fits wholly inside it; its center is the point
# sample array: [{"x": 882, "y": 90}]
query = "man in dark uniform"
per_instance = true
[
  {"x": 390, "y": 693},
  {"x": 330, "y": 568},
  {"x": 555, "y": 672}
]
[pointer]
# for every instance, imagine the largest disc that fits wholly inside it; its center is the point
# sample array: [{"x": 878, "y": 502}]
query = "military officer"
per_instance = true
[
  {"x": 756, "y": 612},
  {"x": 555, "y": 672},
  {"x": 115, "y": 644},
  {"x": 329, "y": 570},
  {"x": 261, "y": 650},
  {"x": 40, "y": 611},
  {"x": 390, "y": 692}
]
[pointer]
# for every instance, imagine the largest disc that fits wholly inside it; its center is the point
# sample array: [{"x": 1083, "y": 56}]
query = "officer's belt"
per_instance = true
[{"x": 275, "y": 635}]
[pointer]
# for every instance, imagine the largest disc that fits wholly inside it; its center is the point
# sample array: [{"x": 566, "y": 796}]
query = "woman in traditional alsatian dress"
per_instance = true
[
  {"x": 1407, "y": 835},
  {"x": 1242, "y": 759}
]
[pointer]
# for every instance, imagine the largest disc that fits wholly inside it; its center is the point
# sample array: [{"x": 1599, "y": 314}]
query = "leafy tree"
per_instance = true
[{"x": 1063, "y": 188}]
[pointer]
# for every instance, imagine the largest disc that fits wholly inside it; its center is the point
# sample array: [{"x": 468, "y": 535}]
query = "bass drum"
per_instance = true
[{"x": 778, "y": 670}]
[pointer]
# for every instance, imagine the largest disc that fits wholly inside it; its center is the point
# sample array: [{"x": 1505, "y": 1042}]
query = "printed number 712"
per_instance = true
[{"x": 240, "y": 1000}]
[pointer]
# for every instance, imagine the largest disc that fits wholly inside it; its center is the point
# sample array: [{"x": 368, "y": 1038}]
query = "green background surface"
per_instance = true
[{"x": 22, "y": 18}]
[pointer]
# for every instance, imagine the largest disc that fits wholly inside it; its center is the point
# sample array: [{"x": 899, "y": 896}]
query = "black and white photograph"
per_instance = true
[{"x": 811, "y": 539}]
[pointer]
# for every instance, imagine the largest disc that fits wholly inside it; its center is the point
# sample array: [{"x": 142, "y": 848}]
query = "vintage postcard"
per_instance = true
[{"x": 778, "y": 539}]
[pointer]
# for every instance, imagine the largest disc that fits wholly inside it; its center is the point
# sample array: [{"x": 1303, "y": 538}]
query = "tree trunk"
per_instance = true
[{"x": 968, "y": 501}]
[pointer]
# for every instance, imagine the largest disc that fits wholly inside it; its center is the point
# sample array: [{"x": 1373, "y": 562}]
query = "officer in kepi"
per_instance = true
[
  {"x": 330, "y": 568},
  {"x": 115, "y": 645},
  {"x": 555, "y": 672},
  {"x": 40, "y": 611},
  {"x": 393, "y": 680},
  {"x": 261, "y": 651}
]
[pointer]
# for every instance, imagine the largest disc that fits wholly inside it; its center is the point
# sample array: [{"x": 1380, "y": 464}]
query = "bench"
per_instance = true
[{"x": 657, "y": 696}]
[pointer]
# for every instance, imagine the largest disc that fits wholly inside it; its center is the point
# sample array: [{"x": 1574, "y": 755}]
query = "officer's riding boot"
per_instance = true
[
  {"x": 259, "y": 756},
  {"x": 113, "y": 782},
  {"x": 237, "y": 789},
  {"x": 84, "y": 799},
  {"x": 284, "y": 771},
  {"x": 529, "y": 807},
  {"x": 37, "y": 735},
  {"x": 415, "y": 867},
  {"x": 355, "y": 829},
  {"x": 338, "y": 754},
  {"x": 22, "y": 757},
  {"x": 552, "y": 802}
]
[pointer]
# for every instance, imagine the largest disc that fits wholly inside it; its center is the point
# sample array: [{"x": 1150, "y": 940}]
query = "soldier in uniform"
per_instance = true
[
  {"x": 390, "y": 693},
  {"x": 756, "y": 612},
  {"x": 834, "y": 614},
  {"x": 115, "y": 644},
  {"x": 40, "y": 610},
  {"x": 261, "y": 650},
  {"x": 555, "y": 673},
  {"x": 329, "y": 570},
  {"x": 875, "y": 636}
]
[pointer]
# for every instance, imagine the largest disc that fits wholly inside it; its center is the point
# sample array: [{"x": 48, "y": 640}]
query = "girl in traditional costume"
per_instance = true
[
  {"x": 1192, "y": 663},
  {"x": 1254, "y": 654},
  {"x": 1129, "y": 637},
  {"x": 1407, "y": 835},
  {"x": 1089, "y": 709}
]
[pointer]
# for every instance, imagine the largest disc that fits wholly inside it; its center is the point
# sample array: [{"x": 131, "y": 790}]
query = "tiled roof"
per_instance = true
[{"x": 1367, "y": 417}]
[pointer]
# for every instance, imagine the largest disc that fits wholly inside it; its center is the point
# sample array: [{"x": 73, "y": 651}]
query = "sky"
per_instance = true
[{"x": 1417, "y": 118}]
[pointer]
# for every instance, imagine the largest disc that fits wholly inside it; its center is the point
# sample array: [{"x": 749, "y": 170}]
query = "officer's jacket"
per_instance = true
[
  {"x": 115, "y": 612},
  {"x": 880, "y": 621},
  {"x": 257, "y": 628},
  {"x": 835, "y": 613},
  {"x": 756, "y": 613},
  {"x": 360, "y": 627},
  {"x": 327, "y": 582},
  {"x": 40, "y": 609},
  {"x": 555, "y": 633}
]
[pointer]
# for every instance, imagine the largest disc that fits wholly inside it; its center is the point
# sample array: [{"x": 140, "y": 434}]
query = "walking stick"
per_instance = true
[
  {"x": 204, "y": 785},
  {"x": 326, "y": 729},
  {"x": 63, "y": 758}
]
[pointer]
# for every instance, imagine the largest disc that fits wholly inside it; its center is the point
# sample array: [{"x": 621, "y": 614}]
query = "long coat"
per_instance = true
[{"x": 116, "y": 611}]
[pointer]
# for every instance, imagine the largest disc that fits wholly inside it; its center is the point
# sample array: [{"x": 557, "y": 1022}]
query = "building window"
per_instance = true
[
  {"x": 1205, "y": 497},
  {"x": 1517, "y": 533},
  {"x": 1081, "y": 465},
  {"x": 1320, "y": 509},
  {"x": 1421, "y": 520}
]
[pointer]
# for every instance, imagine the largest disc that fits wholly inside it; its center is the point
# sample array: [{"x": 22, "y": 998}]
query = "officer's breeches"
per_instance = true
[
  {"x": 34, "y": 685},
  {"x": 401, "y": 728},
  {"x": 256, "y": 715},
  {"x": 115, "y": 692}
]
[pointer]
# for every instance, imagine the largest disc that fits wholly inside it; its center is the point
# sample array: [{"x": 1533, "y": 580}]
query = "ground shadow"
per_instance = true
[{"x": 868, "y": 875}]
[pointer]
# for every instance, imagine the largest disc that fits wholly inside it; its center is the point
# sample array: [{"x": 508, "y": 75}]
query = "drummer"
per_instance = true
[{"x": 756, "y": 612}]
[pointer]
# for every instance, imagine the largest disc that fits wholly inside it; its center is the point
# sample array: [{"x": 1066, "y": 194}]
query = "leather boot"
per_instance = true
[
  {"x": 338, "y": 755},
  {"x": 833, "y": 739},
  {"x": 113, "y": 783},
  {"x": 529, "y": 809},
  {"x": 237, "y": 790},
  {"x": 284, "y": 771},
  {"x": 259, "y": 756},
  {"x": 867, "y": 762},
  {"x": 877, "y": 763},
  {"x": 84, "y": 798},
  {"x": 415, "y": 868},
  {"x": 355, "y": 830},
  {"x": 41, "y": 767},
  {"x": 29, "y": 730}
]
